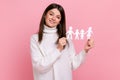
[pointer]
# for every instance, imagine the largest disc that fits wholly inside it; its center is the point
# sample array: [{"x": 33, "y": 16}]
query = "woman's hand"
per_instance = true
[
  {"x": 61, "y": 43},
  {"x": 89, "y": 45}
]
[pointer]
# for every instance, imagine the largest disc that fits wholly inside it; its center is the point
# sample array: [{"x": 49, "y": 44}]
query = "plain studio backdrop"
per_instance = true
[{"x": 19, "y": 19}]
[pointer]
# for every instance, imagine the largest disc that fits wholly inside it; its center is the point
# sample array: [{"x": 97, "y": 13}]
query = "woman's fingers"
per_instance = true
[
  {"x": 91, "y": 42},
  {"x": 62, "y": 41}
]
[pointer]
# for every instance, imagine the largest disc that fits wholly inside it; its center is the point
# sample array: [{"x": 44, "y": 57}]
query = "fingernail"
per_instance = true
[{"x": 88, "y": 45}]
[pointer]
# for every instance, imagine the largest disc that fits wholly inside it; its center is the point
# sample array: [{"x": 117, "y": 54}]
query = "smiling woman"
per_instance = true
[
  {"x": 53, "y": 18},
  {"x": 53, "y": 56}
]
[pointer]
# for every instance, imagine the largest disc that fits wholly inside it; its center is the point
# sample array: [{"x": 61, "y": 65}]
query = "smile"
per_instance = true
[{"x": 51, "y": 21}]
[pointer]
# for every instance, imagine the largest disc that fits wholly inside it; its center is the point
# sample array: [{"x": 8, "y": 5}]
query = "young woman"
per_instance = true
[{"x": 53, "y": 56}]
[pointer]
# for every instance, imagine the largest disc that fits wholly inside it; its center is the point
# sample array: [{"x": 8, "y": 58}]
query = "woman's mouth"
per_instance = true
[{"x": 51, "y": 21}]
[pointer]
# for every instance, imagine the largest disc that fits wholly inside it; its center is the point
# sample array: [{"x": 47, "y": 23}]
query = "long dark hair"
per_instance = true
[{"x": 61, "y": 27}]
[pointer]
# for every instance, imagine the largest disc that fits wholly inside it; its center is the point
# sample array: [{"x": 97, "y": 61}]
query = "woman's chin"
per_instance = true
[{"x": 51, "y": 25}]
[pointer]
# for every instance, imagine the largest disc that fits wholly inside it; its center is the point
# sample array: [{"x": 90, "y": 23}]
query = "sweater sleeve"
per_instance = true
[
  {"x": 76, "y": 59},
  {"x": 40, "y": 62}
]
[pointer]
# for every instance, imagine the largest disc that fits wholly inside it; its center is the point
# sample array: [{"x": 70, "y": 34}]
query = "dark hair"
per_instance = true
[{"x": 61, "y": 27}]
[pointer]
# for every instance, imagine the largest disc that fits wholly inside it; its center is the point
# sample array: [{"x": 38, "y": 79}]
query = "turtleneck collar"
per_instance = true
[{"x": 49, "y": 30}]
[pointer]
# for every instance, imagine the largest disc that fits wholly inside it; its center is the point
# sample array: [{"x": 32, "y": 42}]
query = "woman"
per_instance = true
[{"x": 53, "y": 56}]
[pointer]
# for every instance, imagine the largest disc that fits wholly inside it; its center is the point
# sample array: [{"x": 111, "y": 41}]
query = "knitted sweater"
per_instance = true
[{"x": 48, "y": 62}]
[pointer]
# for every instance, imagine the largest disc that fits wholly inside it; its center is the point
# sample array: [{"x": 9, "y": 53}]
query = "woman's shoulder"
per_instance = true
[
  {"x": 69, "y": 41},
  {"x": 34, "y": 36}
]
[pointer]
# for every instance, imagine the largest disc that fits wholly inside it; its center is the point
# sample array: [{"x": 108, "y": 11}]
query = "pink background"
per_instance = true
[{"x": 19, "y": 19}]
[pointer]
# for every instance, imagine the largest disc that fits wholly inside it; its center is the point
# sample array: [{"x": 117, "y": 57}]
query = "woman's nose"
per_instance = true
[{"x": 53, "y": 18}]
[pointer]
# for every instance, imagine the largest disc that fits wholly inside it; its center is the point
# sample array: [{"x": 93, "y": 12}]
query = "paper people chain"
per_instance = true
[
  {"x": 70, "y": 32},
  {"x": 79, "y": 34},
  {"x": 89, "y": 32}
]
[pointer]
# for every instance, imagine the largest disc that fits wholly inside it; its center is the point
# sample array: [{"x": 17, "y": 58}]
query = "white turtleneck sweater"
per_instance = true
[{"x": 48, "y": 62}]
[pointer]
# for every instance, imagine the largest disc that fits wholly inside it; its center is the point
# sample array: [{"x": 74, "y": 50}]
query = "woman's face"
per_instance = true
[{"x": 53, "y": 18}]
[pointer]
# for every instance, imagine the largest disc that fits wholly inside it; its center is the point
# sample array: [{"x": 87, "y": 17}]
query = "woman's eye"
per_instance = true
[
  {"x": 58, "y": 17},
  {"x": 51, "y": 14}
]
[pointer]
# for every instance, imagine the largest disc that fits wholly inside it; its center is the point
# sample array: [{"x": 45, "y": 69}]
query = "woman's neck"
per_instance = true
[{"x": 49, "y": 29}]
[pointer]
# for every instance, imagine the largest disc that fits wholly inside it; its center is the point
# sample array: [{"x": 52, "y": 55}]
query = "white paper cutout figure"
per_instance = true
[
  {"x": 82, "y": 33},
  {"x": 77, "y": 34},
  {"x": 70, "y": 33},
  {"x": 89, "y": 32}
]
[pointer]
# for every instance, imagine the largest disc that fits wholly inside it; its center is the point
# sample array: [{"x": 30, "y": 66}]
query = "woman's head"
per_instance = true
[{"x": 53, "y": 16}]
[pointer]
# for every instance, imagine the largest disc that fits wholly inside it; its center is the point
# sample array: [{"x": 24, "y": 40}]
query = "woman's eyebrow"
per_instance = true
[
  {"x": 54, "y": 13},
  {"x": 51, "y": 11},
  {"x": 59, "y": 16}
]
